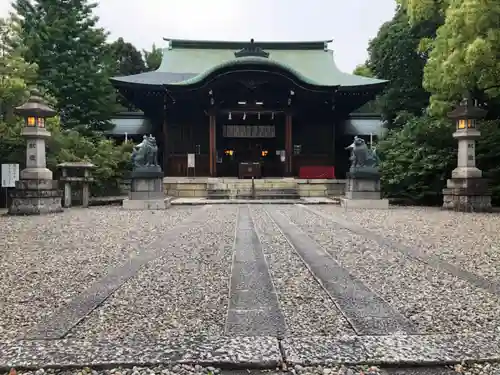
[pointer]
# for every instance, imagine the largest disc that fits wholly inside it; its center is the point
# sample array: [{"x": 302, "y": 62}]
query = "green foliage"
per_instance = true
[
  {"x": 62, "y": 38},
  {"x": 127, "y": 60},
  {"x": 464, "y": 54},
  {"x": 112, "y": 161},
  {"x": 393, "y": 55},
  {"x": 153, "y": 58},
  {"x": 417, "y": 159},
  {"x": 363, "y": 71},
  {"x": 15, "y": 73},
  {"x": 488, "y": 155},
  {"x": 12, "y": 146},
  {"x": 424, "y": 10}
]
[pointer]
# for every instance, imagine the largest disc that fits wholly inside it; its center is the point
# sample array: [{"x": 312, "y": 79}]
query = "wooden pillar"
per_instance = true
[
  {"x": 288, "y": 145},
  {"x": 166, "y": 152},
  {"x": 212, "y": 146}
]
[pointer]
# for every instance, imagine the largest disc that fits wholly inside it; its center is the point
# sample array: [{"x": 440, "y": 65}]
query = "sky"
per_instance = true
[{"x": 350, "y": 23}]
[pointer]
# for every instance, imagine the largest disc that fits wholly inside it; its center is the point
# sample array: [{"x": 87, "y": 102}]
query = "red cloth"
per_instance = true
[{"x": 320, "y": 171}]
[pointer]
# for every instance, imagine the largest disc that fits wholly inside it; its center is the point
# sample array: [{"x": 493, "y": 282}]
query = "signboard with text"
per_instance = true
[{"x": 10, "y": 174}]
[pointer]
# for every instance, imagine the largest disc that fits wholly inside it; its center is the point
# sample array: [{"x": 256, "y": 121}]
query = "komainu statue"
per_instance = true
[
  {"x": 145, "y": 154},
  {"x": 362, "y": 158}
]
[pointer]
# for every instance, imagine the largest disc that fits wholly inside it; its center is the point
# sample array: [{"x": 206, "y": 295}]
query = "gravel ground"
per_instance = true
[
  {"x": 436, "y": 302},
  {"x": 183, "y": 292},
  {"x": 471, "y": 241},
  {"x": 47, "y": 260},
  {"x": 307, "y": 308}
]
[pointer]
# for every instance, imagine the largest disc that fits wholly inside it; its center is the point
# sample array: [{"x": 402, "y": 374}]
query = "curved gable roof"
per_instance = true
[{"x": 185, "y": 62}]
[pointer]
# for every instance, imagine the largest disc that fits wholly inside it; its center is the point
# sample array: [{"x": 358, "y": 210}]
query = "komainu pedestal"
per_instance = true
[
  {"x": 146, "y": 190},
  {"x": 363, "y": 179},
  {"x": 467, "y": 195},
  {"x": 36, "y": 197},
  {"x": 363, "y": 191}
]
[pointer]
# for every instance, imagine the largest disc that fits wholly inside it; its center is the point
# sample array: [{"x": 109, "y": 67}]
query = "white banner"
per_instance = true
[
  {"x": 191, "y": 160},
  {"x": 10, "y": 174},
  {"x": 249, "y": 131}
]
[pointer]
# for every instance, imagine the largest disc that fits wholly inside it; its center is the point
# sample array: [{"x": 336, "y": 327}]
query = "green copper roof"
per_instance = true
[{"x": 188, "y": 62}]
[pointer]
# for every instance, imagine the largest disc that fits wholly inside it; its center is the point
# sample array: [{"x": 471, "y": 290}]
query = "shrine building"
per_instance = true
[{"x": 283, "y": 105}]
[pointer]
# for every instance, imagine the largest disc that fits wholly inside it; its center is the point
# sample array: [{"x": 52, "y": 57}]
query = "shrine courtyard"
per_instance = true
[{"x": 203, "y": 289}]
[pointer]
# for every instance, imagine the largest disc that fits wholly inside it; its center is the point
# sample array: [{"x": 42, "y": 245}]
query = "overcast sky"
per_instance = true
[{"x": 350, "y": 23}]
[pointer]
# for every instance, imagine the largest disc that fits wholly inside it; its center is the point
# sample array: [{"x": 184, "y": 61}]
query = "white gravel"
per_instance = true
[
  {"x": 307, "y": 308},
  {"x": 436, "y": 302},
  {"x": 469, "y": 240},
  {"x": 183, "y": 292},
  {"x": 47, "y": 260}
]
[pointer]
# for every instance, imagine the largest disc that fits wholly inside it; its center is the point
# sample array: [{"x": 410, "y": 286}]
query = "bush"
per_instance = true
[
  {"x": 112, "y": 161},
  {"x": 417, "y": 159},
  {"x": 488, "y": 155}
]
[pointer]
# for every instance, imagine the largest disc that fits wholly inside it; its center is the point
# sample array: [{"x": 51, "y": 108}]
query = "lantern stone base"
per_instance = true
[
  {"x": 36, "y": 197},
  {"x": 467, "y": 195},
  {"x": 146, "y": 191}
]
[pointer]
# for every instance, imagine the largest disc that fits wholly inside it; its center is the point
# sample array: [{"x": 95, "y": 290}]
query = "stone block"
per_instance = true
[
  {"x": 363, "y": 195},
  {"x": 146, "y": 195},
  {"x": 357, "y": 184},
  {"x": 467, "y": 195},
  {"x": 185, "y": 193},
  {"x": 146, "y": 204},
  {"x": 36, "y": 197},
  {"x": 379, "y": 204}
]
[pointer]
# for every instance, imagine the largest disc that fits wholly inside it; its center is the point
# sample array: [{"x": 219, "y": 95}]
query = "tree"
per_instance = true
[
  {"x": 153, "y": 58},
  {"x": 394, "y": 55},
  {"x": 464, "y": 55},
  {"x": 417, "y": 159},
  {"x": 127, "y": 60},
  {"x": 15, "y": 73},
  {"x": 425, "y": 10},
  {"x": 62, "y": 38}
]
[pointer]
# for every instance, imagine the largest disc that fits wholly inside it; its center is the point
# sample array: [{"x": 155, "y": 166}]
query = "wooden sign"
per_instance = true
[{"x": 249, "y": 131}]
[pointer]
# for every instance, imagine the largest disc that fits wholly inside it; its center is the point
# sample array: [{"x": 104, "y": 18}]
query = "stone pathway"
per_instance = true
[{"x": 290, "y": 287}]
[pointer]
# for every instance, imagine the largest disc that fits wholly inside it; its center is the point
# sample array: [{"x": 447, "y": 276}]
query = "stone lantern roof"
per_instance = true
[{"x": 35, "y": 106}]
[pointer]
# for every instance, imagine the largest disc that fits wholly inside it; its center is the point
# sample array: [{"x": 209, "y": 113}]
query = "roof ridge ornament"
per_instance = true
[{"x": 252, "y": 50}]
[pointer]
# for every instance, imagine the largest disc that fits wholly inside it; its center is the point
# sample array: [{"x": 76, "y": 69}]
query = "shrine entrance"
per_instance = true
[{"x": 248, "y": 141}]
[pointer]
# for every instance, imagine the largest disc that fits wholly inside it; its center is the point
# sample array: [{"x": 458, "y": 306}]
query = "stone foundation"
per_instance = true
[
  {"x": 363, "y": 191},
  {"x": 146, "y": 191},
  {"x": 467, "y": 195},
  {"x": 36, "y": 197},
  {"x": 199, "y": 187}
]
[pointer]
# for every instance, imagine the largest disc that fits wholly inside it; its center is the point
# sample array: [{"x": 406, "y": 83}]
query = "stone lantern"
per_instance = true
[
  {"x": 467, "y": 190},
  {"x": 35, "y": 192}
]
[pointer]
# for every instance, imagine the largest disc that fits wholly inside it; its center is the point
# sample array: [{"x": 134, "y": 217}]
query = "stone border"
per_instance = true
[
  {"x": 223, "y": 352},
  {"x": 254, "y": 352},
  {"x": 392, "y": 350}
]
